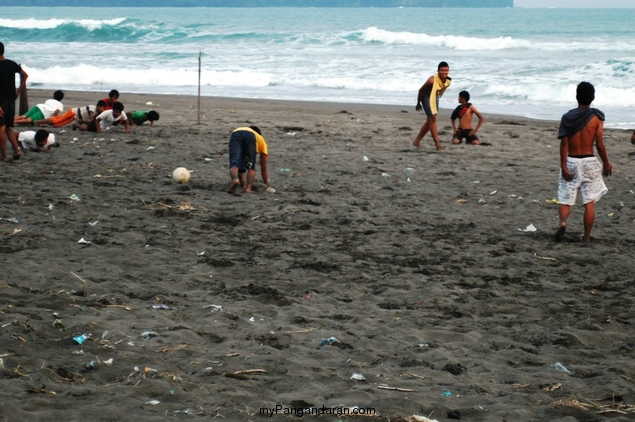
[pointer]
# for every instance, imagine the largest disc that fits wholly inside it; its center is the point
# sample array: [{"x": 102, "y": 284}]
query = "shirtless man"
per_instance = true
[
  {"x": 580, "y": 128},
  {"x": 428, "y": 101},
  {"x": 464, "y": 113}
]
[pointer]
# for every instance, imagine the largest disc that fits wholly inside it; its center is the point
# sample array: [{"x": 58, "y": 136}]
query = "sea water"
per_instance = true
[{"x": 524, "y": 62}]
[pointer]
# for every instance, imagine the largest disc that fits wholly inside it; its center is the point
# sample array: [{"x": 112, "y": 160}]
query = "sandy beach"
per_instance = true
[{"x": 377, "y": 279}]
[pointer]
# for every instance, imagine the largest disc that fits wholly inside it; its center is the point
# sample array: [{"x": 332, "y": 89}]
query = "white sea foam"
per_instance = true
[
  {"x": 88, "y": 75},
  {"x": 451, "y": 41},
  {"x": 32, "y": 23},
  {"x": 467, "y": 43}
]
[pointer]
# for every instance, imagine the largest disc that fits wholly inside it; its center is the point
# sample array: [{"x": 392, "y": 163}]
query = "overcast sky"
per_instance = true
[{"x": 575, "y": 3}]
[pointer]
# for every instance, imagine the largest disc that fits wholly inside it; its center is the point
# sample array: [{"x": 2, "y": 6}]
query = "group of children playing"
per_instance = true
[{"x": 90, "y": 118}]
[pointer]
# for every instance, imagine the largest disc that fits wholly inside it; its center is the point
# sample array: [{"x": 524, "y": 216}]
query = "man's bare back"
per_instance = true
[{"x": 582, "y": 142}]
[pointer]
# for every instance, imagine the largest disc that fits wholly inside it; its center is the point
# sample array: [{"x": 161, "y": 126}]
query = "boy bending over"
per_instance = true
[{"x": 244, "y": 144}]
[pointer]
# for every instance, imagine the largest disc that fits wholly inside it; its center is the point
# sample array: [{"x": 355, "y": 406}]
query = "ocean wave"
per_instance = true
[
  {"x": 467, "y": 43},
  {"x": 89, "y": 24},
  {"x": 122, "y": 30},
  {"x": 108, "y": 31}
]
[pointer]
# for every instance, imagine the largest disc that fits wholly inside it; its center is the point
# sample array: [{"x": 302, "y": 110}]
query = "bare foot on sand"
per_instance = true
[
  {"x": 234, "y": 186},
  {"x": 440, "y": 148},
  {"x": 416, "y": 144},
  {"x": 560, "y": 232}
]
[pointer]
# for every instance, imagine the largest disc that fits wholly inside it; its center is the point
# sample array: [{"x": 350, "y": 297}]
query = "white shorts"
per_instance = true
[{"x": 587, "y": 176}]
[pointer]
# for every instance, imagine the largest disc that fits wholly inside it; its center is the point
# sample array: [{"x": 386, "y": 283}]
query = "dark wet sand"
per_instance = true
[{"x": 200, "y": 305}]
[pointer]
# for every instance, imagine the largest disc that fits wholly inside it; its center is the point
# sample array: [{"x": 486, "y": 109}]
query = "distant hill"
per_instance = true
[{"x": 263, "y": 3}]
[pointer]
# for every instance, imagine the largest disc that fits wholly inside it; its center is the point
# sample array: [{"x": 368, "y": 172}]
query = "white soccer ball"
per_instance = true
[{"x": 181, "y": 175}]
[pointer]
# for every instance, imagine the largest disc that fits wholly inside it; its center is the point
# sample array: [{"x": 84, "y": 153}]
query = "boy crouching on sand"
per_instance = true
[
  {"x": 77, "y": 116},
  {"x": 139, "y": 117},
  {"x": 48, "y": 109},
  {"x": 464, "y": 113},
  {"x": 38, "y": 141},
  {"x": 106, "y": 118}
]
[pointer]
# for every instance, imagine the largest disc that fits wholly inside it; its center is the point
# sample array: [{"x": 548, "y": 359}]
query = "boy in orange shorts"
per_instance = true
[{"x": 79, "y": 115}]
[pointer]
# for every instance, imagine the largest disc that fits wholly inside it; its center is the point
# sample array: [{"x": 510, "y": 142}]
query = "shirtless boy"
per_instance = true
[
  {"x": 428, "y": 101},
  {"x": 464, "y": 113},
  {"x": 244, "y": 144},
  {"x": 579, "y": 129}
]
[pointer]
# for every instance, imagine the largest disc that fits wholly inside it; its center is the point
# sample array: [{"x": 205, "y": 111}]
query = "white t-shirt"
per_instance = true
[
  {"x": 27, "y": 138},
  {"x": 107, "y": 118},
  {"x": 83, "y": 113},
  {"x": 50, "y": 107}
]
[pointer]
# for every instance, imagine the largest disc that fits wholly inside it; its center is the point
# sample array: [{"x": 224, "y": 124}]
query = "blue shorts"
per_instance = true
[{"x": 242, "y": 150}]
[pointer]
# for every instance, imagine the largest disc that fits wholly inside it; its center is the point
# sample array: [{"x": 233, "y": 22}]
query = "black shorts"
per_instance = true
[
  {"x": 8, "y": 108},
  {"x": 465, "y": 133}
]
